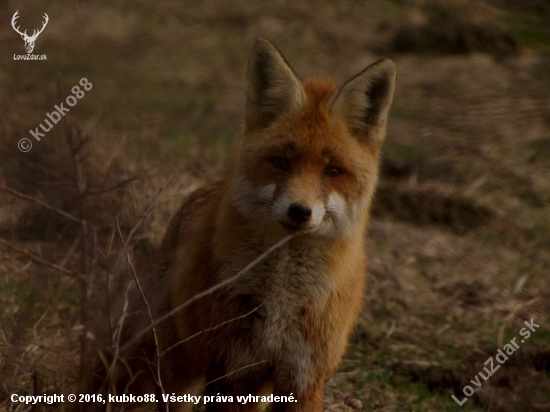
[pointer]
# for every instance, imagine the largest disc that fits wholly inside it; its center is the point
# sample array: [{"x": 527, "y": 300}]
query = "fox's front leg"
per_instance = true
[{"x": 309, "y": 400}]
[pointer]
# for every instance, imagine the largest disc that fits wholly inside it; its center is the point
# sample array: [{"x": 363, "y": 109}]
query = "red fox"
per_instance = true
[{"x": 305, "y": 167}]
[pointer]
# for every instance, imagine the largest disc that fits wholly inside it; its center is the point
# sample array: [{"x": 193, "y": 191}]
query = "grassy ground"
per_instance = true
[{"x": 459, "y": 245}]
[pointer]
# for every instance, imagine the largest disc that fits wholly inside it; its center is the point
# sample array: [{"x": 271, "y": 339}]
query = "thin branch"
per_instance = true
[
  {"x": 41, "y": 203},
  {"x": 143, "y": 216},
  {"x": 208, "y": 291},
  {"x": 112, "y": 366},
  {"x": 45, "y": 183},
  {"x": 101, "y": 190},
  {"x": 113, "y": 187},
  {"x": 393, "y": 276},
  {"x": 150, "y": 313},
  {"x": 228, "y": 374},
  {"x": 210, "y": 329},
  {"x": 149, "y": 207},
  {"x": 73, "y": 133},
  {"x": 111, "y": 162},
  {"x": 36, "y": 259}
]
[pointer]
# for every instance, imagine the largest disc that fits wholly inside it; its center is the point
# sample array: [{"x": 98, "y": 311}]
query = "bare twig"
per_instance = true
[
  {"x": 149, "y": 207},
  {"x": 113, "y": 187},
  {"x": 208, "y": 291},
  {"x": 111, "y": 368},
  {"x": 45, "y": 183},
  {"x": 101, "y": 190},
  {"x": 111, "y": 162},
  {"x": 143, "y": 216},
  {"x": 41, "y": 203},
  {"x": 229, "y": 374},
  {"x": 519, "y": 307},
  {"x": 76, "y": 144},
  {"x": 37, "y": 259},
  {"x": 11, "y": 367},
  {"x": 210, "y": 329},
  {"x": 150, "y": 313},
  {"x": 70, "y": 251},
  {"x": 393, "y": 276},
  {"x": 108, "y": 289}
]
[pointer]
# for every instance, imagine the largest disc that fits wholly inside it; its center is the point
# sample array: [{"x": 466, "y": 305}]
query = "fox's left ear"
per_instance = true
[{"x": 365, "y": 100}]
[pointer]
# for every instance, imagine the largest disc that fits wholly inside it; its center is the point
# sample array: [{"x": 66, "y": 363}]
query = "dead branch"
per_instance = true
[
  {"x": 101, "y": 190},
  {"x": 228, "y": 374},
  {"x": 119, "y": 333},
  {"x": 208, "y": 291},
  {"x": 110, "y": 368},
  {"x": 150, "y": 313},
  {"x": 45, "y": 183},
  {"x": 111, "y": 162},
  {"x": 142, "y": 218},
  {"x": 76, "y": 144},
  {"x": 210, "y": 329},
  {"x": 113, "y": 187},
  {"x": 37, "y": 259},
  {"x": 149, "y": 207},
  {"x": 41, "y": 203},
  {"x": 11, "y": 367},
  {"x": 391, "y": 274}
]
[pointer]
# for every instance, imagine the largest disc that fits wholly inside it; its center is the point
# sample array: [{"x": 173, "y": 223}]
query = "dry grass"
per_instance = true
[{"x": 460, "y": 239}]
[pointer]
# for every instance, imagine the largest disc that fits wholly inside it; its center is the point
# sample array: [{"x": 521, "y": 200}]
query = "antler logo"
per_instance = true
[{"x": 29, "y": 40}]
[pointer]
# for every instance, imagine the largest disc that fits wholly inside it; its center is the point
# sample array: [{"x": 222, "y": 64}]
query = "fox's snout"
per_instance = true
[
  {"x": 297, "y": 209},
  {"x": 299, "y": 213},
  {"x": 292, "y": 209},
  {"x": 295, "y": 216}
]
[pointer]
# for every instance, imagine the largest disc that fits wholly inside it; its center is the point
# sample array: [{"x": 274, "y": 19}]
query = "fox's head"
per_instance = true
[{"x": 308, "y": 160}]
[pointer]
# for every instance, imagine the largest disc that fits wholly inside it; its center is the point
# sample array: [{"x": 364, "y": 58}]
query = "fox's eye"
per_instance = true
[
  {"x": 280, "y": 163},
  {"x": 332, "y": 171}
]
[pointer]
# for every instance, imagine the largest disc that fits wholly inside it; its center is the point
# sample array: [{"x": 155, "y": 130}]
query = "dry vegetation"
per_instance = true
[{"x": 460, "y": 238}]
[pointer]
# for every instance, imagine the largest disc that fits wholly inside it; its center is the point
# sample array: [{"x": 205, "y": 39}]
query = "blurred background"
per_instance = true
[{"x": 459, "y": 243}]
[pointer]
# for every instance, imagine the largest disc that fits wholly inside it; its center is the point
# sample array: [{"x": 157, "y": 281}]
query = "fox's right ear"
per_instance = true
[
  {"x": 272, "y": 88},
  {"x": 364, "y": 101}
]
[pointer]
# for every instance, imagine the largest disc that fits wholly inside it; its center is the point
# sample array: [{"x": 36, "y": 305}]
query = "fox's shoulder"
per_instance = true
[
  {"x": 196, "y": 201},
  {"x": 197, "y": 207}
]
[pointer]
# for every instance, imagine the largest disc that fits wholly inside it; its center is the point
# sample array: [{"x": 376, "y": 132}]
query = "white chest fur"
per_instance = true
[{"x": 293, "y": 279}]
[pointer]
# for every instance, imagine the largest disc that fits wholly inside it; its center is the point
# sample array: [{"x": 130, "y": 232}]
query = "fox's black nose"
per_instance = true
[{"x": 299, "y": 213}]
